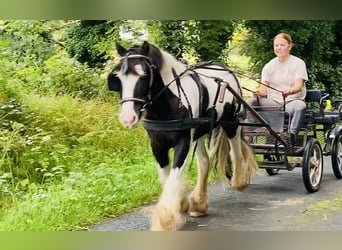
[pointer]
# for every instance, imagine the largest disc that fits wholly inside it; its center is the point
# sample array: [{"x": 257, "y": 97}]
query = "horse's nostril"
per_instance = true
[
  {"x": 128, "y": 121},
  {"x": 134, "y": 119}
]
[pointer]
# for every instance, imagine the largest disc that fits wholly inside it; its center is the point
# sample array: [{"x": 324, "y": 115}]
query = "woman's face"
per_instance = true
[{"x": 281, "y": 47}]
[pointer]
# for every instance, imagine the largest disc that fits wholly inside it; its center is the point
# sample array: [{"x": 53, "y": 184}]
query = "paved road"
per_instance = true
[{"x": 270, "y": 203}]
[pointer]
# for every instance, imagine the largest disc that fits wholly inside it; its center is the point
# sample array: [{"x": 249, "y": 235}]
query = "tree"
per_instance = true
[
  {"x": 91, "y": 41},
  {"x": 168, "y": 34},
  {"x": 210, "y": 37},
  {"x": 27, "y": 40},
  {"x": 207, "y": 37}
]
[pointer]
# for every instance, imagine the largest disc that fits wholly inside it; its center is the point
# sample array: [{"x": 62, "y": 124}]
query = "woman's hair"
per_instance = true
[{"x": 285, "y": 36}]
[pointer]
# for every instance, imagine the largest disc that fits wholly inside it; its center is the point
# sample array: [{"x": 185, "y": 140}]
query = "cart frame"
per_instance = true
[{"x": 274, "y": 150}]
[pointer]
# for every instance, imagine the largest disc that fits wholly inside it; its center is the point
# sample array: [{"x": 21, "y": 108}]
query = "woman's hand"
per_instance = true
[
  {"x": 258, "y": 93},
  {"x": 287, "y": 92}
]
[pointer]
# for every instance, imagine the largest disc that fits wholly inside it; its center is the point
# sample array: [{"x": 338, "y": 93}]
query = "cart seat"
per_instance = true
[{"x": 315, "y": 99}]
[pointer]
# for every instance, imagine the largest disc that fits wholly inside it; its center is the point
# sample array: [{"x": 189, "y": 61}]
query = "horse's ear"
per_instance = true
[
  {"x": 114, "y": 82},
  {"x": 145, "y": 48},
  {"x": 120, "y": 49}
]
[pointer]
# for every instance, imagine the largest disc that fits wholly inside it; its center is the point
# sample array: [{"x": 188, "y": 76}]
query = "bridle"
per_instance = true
[{"x": 124, "y": 68}]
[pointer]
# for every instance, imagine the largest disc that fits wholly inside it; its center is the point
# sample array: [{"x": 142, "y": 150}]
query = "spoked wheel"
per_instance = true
[
  {"x": 312, "y": 170},
  {"x": 336, "y": 156},
  {"x": 272, "y": 171}
]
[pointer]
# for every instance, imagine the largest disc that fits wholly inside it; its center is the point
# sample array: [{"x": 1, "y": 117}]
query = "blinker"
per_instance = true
[
  {"x": 113, "y": 82},
  {"x": 124, "y": 67}
]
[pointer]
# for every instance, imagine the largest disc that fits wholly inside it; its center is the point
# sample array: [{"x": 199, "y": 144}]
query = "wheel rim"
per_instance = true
[
  {"x": 338, "y": 153},
  {"x": 315, "y": 166}
]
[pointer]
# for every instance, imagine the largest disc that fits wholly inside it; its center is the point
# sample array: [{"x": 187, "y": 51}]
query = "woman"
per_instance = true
[{"x": 285, "y": 75}]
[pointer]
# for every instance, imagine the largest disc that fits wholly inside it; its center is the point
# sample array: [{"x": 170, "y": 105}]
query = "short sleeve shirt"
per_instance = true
[{"x": 282, "y": 76}]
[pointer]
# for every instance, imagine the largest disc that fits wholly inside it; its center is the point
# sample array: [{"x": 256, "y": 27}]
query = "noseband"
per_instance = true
[{"x": 124, "y": 69}]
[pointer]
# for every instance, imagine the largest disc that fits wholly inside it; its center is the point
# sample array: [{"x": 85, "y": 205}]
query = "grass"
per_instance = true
[
  {"x": 83, "y": 198},
  {"x": 319, "y": 211},
  {"x": 326, "y": 206},
  {"x": 80, "y": 167},
  {"x": 87, "y": 166}
]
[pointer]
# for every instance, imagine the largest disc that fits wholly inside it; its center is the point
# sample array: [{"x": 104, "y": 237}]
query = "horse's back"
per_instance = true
[{"x": 212, "y": 76}]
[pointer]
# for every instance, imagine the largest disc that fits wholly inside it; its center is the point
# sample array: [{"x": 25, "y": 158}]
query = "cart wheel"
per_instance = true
[
  {"x": 336, "y": 156},
  {"x": 272, "y": 171},
  {"x": 312, "y": 170}
]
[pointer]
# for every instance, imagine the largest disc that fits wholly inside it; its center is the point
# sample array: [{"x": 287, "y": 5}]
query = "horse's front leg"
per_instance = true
[
  {"x": 198, "y": 198},
  {"x": 173, "y": 203}
]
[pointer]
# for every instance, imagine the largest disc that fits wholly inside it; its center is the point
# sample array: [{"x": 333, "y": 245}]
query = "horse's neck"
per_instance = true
[
  {"x": 170, "y": 62},
  {"x": 165, "y": 104}
]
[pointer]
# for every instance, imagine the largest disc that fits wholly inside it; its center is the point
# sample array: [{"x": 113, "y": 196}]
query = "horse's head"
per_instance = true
[{"x": 133, "y": 78}]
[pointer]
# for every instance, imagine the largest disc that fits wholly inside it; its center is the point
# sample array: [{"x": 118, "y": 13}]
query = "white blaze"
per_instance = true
[{"x": 128, "y": 116}]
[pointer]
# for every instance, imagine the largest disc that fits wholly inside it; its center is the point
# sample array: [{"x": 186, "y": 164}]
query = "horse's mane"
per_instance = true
[
  {"x": 172, "y": 61},
  {"x": 160, "y": 57}
]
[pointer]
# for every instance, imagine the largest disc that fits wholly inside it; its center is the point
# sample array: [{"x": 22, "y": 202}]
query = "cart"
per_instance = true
[{"x": 321, "y": 135}]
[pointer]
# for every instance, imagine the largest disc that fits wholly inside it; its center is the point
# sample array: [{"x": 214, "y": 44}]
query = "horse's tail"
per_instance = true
[
  {"x": 219, "y": 153},
  {"x": 233, "y": 158}
]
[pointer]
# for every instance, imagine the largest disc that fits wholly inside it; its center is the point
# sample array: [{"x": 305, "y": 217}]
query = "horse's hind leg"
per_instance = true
[
  {"x": 243, "y": 162},
  {"x": 198, "y": 198}
]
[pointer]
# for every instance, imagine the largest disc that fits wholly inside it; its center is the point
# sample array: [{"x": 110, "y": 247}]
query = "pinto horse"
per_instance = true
[{"x": 180, "y": 106}]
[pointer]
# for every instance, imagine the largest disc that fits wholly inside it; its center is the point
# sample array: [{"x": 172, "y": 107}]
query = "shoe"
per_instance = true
[{"x": 289, "y": 139}]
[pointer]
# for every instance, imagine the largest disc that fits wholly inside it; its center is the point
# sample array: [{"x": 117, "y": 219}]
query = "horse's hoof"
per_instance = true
[
  {"x": 184, "y": 208},
  {"x": 197, "y": 214},
  {"x": 239, "y": 188}
]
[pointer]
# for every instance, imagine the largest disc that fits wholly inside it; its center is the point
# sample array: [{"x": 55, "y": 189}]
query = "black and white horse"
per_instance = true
[{"x": 180, "y": 105}]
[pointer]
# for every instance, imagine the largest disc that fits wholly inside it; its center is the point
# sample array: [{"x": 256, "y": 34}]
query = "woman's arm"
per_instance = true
[
  {"x": 261, "y": 91},
  {"x": 297, "y": 87}
]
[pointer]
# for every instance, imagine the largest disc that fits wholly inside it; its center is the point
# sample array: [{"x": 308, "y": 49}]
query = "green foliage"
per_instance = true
[
  {"x": 28, "y": 40},
  {"x": 70, "y": 163},
  {"x": 85, "y": 197},
  {"x": 44, "y": 69},
  {"x": 317, "y": 42},
  {"x": 168, "y": 34},
  {"x": 91, "y": 41},
  {"x": 59, "y": 133},
  {"x": 208, "y": 38},
  {"x": 29, "y": 155},
  {"x": 63, "y": 75}
]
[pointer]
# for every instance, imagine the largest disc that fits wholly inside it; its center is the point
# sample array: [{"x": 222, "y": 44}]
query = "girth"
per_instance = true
[
  {"x": 176, "y": 125},
  {"x": 203, "y": 94}
]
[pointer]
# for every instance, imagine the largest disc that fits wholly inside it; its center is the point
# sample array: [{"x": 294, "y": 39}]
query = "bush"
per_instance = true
[{"x": 64, "y": 75}]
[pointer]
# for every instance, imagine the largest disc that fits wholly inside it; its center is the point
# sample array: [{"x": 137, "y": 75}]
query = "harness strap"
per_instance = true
[
  {"x": 179, "y": 86},
  {"x": 176, "y": 125},
  {"x": 206, "y": 65},
  {"x": 203, "y": 94}
]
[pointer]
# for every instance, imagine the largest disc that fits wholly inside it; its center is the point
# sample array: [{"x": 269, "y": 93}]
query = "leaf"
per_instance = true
[{"x": 24, "y": 182}]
